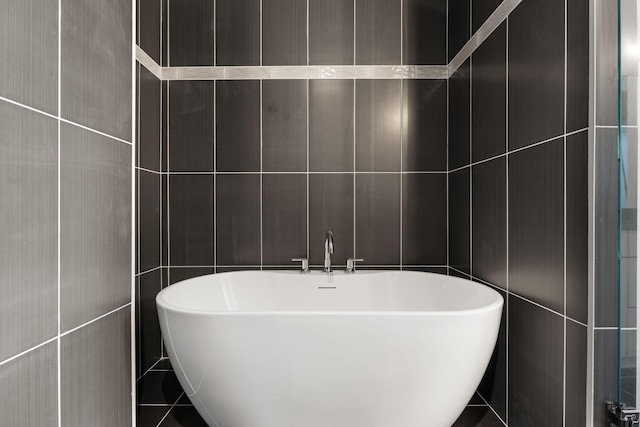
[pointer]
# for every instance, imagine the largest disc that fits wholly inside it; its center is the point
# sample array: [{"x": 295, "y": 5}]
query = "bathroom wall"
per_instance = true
[
  {"x": 65, "y": 220},
  {"x": 518, "y": 200}
]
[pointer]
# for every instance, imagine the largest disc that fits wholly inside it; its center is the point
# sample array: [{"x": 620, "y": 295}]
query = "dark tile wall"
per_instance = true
[{"x": 518, "y": 195}]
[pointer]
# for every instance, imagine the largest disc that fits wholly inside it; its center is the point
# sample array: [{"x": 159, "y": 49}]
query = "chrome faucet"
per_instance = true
[{"x": 328, "y": 250}]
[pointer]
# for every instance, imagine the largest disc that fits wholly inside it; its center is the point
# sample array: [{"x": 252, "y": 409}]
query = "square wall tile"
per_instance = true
[
  {"x": 191, "y": 31},
  {"x": 331, "y": 38},
  {"x": 331, "y": 125},
  {"x": 238, "y": 126},
  {"x": 536, "y": 365},
  {"x": 97, "y": 354},
  {"x": 424, "y": 219},
  {"x": 149, "y": 120},
  {"x": 149, "y": 240},
  {"x": 489, "y": 221},
  {"x": 459, "y": 16},
  {"x": 424, "y": 141},
  {"x": 238, "y": 32},
  {"x": 95, "y": 225},
  {"x": 378, "y": 218},
  {"x": 536, "y": 224},
  {"x": 424, "y": 20},
  {"x": 191, "y": 220},
  {"x": 578, "y": 64},
  {"x": 29, "y": 229},
  {"x": 29, "y": 388},
  {"x": 331, "y": 209},
  {"x": 378, "y": 125},
  {"x": 284, "y": 125},
  {"x": 284, "y": 32},
  {"x": 378, "y": 32},
  {"x": 460, "y": 220},
  {"x": 459, "y": 107},
  {"x": 238, "y": 219},
  {"x": 29, "y": 53},
  {"x": 191, "y": 120},
  {"x": 150, "y": 27},
  {"x": 148, "y": 334},
  {"x": 96, "y": 65},
  {"x": 284, "y": 218}
]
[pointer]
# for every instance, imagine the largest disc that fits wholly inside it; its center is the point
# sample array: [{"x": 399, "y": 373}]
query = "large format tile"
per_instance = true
[
  {"x": 378, "y": 32},
  {"x": 576, "y": 378},
  {"x": 424, "y": 27},
  {"x": 606, "y": 62},
  {"x": 536, "y": 224},
  {"x": 191, "y": 118},
  {"x": 460, "y": 220},
  {"x": 480, "y": 11},
  {"x": 149, "y": 119},
  {"x": 284, "y": 32},
  {"x": 331, "y": 125},
  {"x": 177, "y": 274},
  {"x": 605, "y": 372},
  {"x": 158, "y": 388},
  {"x": 99, "y": 355},
  {"x": 424, "y": 219},
  {"x": 148, "y": 335},
  {"x": 95, "y": 225},
  {"x": 578, "y": 65},
  {"x": 96, "y": 65},
  {"x": 424, "y": 141},
  {"x": 29, "y": 229},
  {"x": 238, "y": 32},
  {"x": 238, "y": 126},
  {"x": 29, "y": 389},
  {"x": 191, "y": 219},
  {"x": 459, "y": 17},
  {"x": 191, "y": 32},
  {"x": 478, "y": 416},
  {"x": 238, "y": 219},
  {"x": 29, "y": 53},
  {"x": 459, "y": 107},
  {"x": 148, "y": 234},
  {"x": 284, "y": 125},
  {"x": 331, "y": 38},
  {"x": 378, "y": 125},
  {"x": 183, "y": 416},
  {"x": 331, "y": 209},
  {"x": 150, "y": 27}
]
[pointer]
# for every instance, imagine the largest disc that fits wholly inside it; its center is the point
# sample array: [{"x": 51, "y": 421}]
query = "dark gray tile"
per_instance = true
[
  {"x": 96, "y": 65},
  {"x": 424, "y": 28},
  {"x": 459, "y": 17},
  {"x": 606, "y": 62},
  {"x": 489, "y": 96},
  {"x": 378, "y": 218},
  {"x": 481, "y": 10},
  {"x": 238, "y": 126},
  {"x": 284, "y": 32},
  {"x": 536, "y": 72},
  {"x": 238, "y": 32},
  {"x": 454, "y": 273},
  {"x": 578, "y": 65},
  {"x": 378, "y": 32},
  {"x": 577, "y": 206},
  {"x": 191, "y": 220},
  {"x": 29, "y": 389},
  {"x": 605, "y": 372},
  {"x": 98, "y": 354},
  {"x": 149, "y": 187},
  {"x": 424, "y": 219},
  {"x": 478, "y": 416},
  {"x": 29, "y": 53},
  {"x": 459, "y": 107},
  {"x": 29, "y": 226},
  {"x": 191, "y": 120},
  {"x": 536, "y": 362},
  {"x": 95, "y": 225},
  {"x": 460, "y": 220},
  {"x": 331, "y": 39},
  {"x": 238, "y": 219},
  {"x": 164, "y": 127},
  {"x": 606, "y": 230},
  {"x": 378, "y": 125},
  {"x": 239, "y": 268},
  {"x": 164, "y": 219},
  {"x": 149, "y": 126},
  {"x": 183, "y": 416},
  {"x": 178, "y": 274},
  {"x": 150, "y": 27},
  {"x": 158, "y": 387},
  {"x": 331, "y": 125},
  {"x": 331, "y": 209},
  {"x": 150, "y": 348},
  {"x": 163, "y": 364},
  {"x": 536, "y": 224},
  {"x": 576, "y": 377},
  {"x": 150, "y": 416},
  {"x": 191, "y": 32},
  {"x": 165, "y": 34},
  {"x": 424, "y": 142},
  {"x": 436, "y": 270},
  {"x": 284, "y": 125},
  {"x": 493, "y": 386},
  {"x": 489, "y": 221},
  {"x": 284, "y": 218}
]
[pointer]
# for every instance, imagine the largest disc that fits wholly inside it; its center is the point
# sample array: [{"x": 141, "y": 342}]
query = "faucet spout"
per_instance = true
[{"x": 328, "y": 250}]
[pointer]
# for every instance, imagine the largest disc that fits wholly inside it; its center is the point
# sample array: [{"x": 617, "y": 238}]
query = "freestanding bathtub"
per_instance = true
[{"x": 370, "y": 349}]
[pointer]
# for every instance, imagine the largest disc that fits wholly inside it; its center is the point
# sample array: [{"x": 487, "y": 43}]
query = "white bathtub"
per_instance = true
[{"x": 371, "y": 349}]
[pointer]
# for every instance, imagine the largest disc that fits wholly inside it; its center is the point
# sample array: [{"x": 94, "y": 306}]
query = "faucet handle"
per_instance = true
[
  {"x": 304, "y": 267},
  {"x": 351, "y": 264}
]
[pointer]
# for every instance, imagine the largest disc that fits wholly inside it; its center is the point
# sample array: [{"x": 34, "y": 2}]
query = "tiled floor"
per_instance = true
[{"x": 162, "y": 403}]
